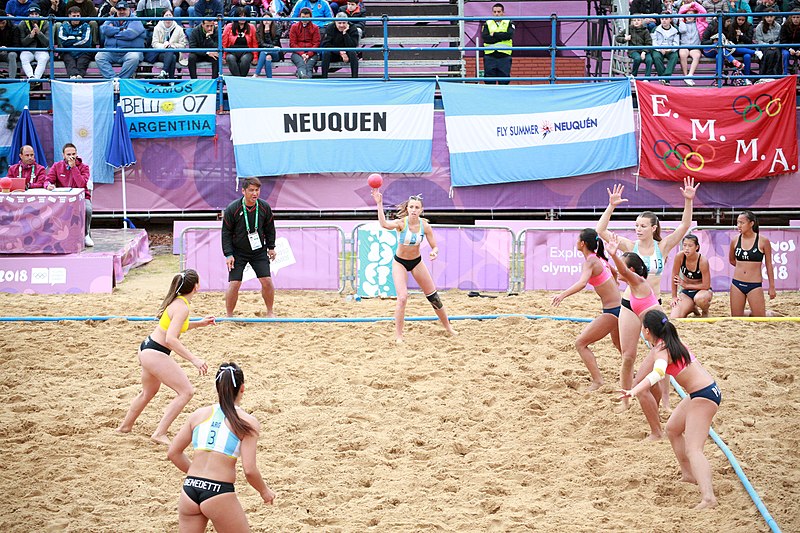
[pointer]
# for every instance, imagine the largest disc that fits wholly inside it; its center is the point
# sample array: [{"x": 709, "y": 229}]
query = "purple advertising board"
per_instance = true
[
  {"x": 42, "y": 222},
  {"x": 308, "y": 258},
  {"x": 56, "y": 274}
]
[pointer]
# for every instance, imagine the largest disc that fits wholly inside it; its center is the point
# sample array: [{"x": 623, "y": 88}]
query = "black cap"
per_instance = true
[
  {"x": 34, "y": 8},
  {"x": 122, "y": 5}
]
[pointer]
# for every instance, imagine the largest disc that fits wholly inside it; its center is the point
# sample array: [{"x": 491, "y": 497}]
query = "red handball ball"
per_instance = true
[
  {"x": 375, "y": 181},
  {"x": 5, "y": 183}
]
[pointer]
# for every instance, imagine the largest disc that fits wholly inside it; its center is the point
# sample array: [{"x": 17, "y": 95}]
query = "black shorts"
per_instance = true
[
  {"x": 150, "y": 344},
  {"x": 408, "y": 264},
  {"x": 258, "y": 259},
  {"x": 199, "y": 489}
]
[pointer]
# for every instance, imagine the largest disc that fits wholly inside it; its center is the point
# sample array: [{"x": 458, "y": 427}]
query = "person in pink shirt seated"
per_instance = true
[
  {"x": 32, "y": 172},
  {"x": 71, "y": 172}
]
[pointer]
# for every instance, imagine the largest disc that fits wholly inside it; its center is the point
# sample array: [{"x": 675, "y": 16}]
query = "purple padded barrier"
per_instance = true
[
  {"x": 56, "y": 274},
  {"x": 42, "y": 222},
  {"x": 716, "y": 242},
  {"x": 316, "y": 253},
  {"x": 470, "y": 258}
]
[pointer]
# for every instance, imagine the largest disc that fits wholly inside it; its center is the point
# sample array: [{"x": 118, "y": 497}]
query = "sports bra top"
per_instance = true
[
  {"x": 655, "y": 262},
  {"x": 411, "y": 238},
  {"x": 639, "y": 305},
  {"x": 691, "y": 274},
  {"x": 212, "y": 435},
  {"x": 165, "y": 320},
  {"x": 675, "y": 368},
  {"x": 753, "y": 255},
  {"x": 604, "y": 274}
]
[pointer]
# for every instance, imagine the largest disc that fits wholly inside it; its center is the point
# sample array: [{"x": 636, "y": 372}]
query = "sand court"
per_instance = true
[{"x": 487, "y": 431}]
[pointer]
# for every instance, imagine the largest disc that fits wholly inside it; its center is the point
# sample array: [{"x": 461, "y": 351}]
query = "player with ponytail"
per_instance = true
[
  {"x": 689, "y": 423},
  {"x": 219, "y": 434},
  {"x": 598, "y": 273}
]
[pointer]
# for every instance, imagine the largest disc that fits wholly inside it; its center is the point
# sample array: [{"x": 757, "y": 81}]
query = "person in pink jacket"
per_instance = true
[{"x": 71, "y": 172}]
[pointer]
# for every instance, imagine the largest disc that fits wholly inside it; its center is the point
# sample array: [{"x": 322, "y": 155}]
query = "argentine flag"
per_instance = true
[
  {"x": 83, "y": 114},
  {"x": 299, "y": 126},
  {"x": 14, "y": 98},
  {"x": 501, "y": 134}
]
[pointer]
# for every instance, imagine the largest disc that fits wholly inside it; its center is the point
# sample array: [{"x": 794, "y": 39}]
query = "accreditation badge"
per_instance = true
[{"x": 255, "y": 240}]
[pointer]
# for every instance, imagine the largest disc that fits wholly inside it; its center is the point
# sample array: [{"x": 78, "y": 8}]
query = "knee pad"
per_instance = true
[{"x": 434, "y": 299}]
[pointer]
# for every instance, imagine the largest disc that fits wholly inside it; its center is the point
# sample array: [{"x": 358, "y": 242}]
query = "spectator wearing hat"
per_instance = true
[
  {"x": 9, "y": 38},
  {"x": 75, "y": 34},
  {"x": 88, "y": 9},
  {"x": 319, "y": 9},
  {"x": 34, "y": 34},
  {"x": 303, "y": 34},
  {"x": 204, "y": 37},
  {"x": 119, "y": 33},
  {"x": 340, "y": 34},
  {"x": 18, "y": 8}
]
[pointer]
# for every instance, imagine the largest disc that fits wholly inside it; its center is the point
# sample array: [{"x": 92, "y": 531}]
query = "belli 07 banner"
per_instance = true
[
  {"x": 155, "y": 111},
  {"x": 297, "y": 127},
  {"x": 499, "y": 134},
  {"x": 718, "y": 134}
]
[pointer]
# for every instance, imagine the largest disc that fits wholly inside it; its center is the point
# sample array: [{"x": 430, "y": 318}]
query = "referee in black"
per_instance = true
[{"x": 248, "y": 236}]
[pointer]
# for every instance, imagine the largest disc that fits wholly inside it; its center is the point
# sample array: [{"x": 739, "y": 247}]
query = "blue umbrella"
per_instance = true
[
  {"x": 120, "y": 154},
  {"x": 25, "y": 133}
]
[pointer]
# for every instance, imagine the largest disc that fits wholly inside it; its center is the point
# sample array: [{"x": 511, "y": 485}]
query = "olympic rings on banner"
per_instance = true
[
  {"x": 757, "y": 105},
  {"x": 682, "y": 159}
]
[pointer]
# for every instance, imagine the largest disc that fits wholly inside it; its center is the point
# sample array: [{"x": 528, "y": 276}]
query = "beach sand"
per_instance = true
[{"x": 487, "y": 431}]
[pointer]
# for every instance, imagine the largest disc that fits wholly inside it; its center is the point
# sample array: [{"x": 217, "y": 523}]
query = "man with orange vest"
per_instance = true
[{"x": 497, "y": 36}]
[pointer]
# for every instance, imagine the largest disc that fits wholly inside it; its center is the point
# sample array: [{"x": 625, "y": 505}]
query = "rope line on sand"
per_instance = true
[{"x": 713, "y": 434}]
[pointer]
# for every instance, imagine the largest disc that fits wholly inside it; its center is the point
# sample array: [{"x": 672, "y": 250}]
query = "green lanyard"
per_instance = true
[{"x": 246, "y": 220}]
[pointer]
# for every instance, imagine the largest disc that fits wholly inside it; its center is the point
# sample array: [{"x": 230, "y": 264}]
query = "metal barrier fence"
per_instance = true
[{"x": 479, "y": 258}]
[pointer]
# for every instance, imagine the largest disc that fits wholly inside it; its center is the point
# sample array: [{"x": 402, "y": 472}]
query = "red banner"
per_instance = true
[{"x": 728, "y": 134}]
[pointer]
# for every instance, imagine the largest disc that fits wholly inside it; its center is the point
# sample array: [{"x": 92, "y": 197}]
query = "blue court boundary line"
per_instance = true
[{"x": 713, "y": 434}]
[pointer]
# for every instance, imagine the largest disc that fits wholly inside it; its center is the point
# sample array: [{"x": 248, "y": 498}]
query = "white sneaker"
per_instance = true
[
  {"x": 690, "y": 83},
  {"x": 184, "y": 59},
  {"x": 254, "y": 76},
  {"x": 759, "y": 54},
  {"x": 88, "y": 241}
]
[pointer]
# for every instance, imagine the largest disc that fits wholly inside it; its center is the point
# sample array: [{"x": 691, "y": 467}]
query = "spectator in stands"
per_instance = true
[
  {"x": 209, "y": 8},
  {"x": 340, "y": 34},
  {"x": 251, "y": 8},
  {"x": 167, "y": 35},
  {"x": 497, "y": 38},
  {"x": 239, "y": 34},
  {"x": 56, "y": 8},
  {"x": 790, "y": 34},
  {"x": 356, "y": 11},
  {"x": 717, "y": 6},
  {"x": 71, "y": 172},
  {"x": 647, "y": 7},
  {"x": 741, "y": 35},
  {"x": 318, "y": 8},
  {"x": 768, "y": 31},
  {"x": 76, "y": 34},
  {"x": 636, "y": 34},
  {"x": 120, "y": 32},
  {"x": 340, "y": 5},
  {"x": 184, "y": 8},
  {"x": 741, "y": 6},
  {"x": 711, "y": 36},
  {"x": 9, "y": 38},
  {"x": 34, "y": 34},
  {"x": 152, "y": 8},
  {"x": 204, "y": 36},
  {"x": 690, "y": 29},
  {"x": 668, "y": 39},
  {"x": 304, "y": 35},
  {"x": 27, "y": 168},
  {"x": 276, "y": 8},
  {"x": 670, "y": 6},
  {"x": 767, "y": 6},
  {"x": 18, "y": 8},
  {"x": 268, "y": 37},
  {"x": 88, "y": 9},
  {"x": 107, "y": 9}
]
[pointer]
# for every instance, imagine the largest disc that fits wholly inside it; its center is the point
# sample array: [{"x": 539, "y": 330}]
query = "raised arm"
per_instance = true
[
  {"x": 614, "y": 199},
  {"x": 688, "y": 190},
  {"x": 385, "y": 224}
]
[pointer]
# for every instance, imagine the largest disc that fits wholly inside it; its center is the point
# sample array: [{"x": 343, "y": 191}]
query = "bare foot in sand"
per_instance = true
[
  {"x": 270, "y": 315},
  {"x": 399, "y": 340},
  {"x": 594, "y": 386},
  {"x": 653, "y": 437},
  {"x": 160, "y": 439},
  {"x": 122, "y": 429},
  {"x": 688, "y": 478},
  {"x": 623, "y": 406},
  {"x": 706, "y": 504}
]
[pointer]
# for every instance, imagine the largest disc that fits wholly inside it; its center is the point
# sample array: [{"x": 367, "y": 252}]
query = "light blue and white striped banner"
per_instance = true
[
  {"x": 186, "y": 109},
  {"x": 300, "y": 126},
  {"x": 499, "y": 134},
  {"x": 13, "y": 99},
  {"x": 83, "y": 114}
]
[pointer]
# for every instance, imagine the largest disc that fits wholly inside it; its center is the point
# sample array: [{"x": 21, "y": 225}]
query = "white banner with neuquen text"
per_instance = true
[
  {"x": 186, "y": 109},
  {"x": 297, "y": 127}
]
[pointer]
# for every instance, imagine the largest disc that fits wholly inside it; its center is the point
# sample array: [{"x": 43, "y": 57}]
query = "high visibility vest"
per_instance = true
[{"x": 503, "y": 47}]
